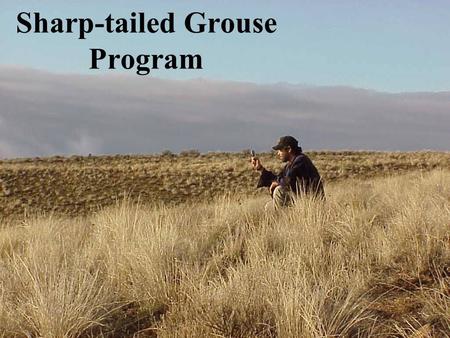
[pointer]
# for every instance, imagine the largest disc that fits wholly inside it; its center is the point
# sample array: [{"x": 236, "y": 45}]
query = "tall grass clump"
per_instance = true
[
  {"x": 50, "y": 286},
  {"x": 140, "y": 251}
]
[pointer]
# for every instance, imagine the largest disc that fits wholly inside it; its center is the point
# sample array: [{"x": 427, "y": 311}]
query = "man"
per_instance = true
[{"x": 299, "y": 176}]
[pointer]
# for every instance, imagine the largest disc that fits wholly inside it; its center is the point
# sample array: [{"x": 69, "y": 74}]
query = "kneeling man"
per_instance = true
[{"x": 298, "y": 177}]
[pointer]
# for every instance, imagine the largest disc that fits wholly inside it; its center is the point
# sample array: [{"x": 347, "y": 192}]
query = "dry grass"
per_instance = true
[{"x": 373, "y": 260}]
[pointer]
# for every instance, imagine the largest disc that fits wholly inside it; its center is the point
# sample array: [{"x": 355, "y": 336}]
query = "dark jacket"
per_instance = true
[{"x": 300, "y": 176}]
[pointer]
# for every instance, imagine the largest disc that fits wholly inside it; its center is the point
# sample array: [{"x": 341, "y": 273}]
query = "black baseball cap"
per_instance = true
[{"x": 286, "y": 141}]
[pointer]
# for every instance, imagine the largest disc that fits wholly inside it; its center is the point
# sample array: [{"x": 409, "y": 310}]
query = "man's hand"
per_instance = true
[
  {"x": 256, "y": 164},
  {"x": 273, "y": 186}
]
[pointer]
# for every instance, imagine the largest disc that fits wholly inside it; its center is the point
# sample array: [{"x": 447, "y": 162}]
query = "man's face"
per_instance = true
[{"x": 283, "y": 154}]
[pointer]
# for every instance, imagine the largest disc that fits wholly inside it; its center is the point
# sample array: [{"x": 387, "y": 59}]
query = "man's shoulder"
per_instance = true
[
  {"x": 300, "y": 158},
  {"x": 303, "y": 161}
]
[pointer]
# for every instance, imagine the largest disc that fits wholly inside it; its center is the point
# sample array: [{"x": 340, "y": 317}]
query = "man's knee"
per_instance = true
[{"x": 281, "y": 197}]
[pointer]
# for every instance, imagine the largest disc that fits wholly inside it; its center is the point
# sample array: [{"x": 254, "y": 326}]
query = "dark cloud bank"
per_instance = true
[{"x": 45, "y": 114}]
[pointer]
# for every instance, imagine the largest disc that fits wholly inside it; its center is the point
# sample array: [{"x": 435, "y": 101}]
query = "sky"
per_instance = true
[
  {"x": 357, "y": 75},
  {"x": 392, "y": 46}
]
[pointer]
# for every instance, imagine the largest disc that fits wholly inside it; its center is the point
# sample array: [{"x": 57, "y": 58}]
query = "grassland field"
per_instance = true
[
  {"x": 182, "y": 246},
  {"x": 78, "y": 185}
]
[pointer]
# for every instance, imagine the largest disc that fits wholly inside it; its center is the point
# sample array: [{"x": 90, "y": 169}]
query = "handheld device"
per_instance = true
[{"x": 252, "y": 153}]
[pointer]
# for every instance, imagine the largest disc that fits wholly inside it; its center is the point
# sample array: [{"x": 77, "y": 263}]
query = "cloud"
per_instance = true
[{"x": 43, "y": 113}]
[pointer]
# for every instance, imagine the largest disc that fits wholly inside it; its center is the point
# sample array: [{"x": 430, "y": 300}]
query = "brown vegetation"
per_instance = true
[
  {"x": 78, "y": 185},
  {"x": 373, "y": 260}
]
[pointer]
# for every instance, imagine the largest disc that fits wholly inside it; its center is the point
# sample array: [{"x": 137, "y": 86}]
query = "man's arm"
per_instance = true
[{"x": 266, "y": 178}]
